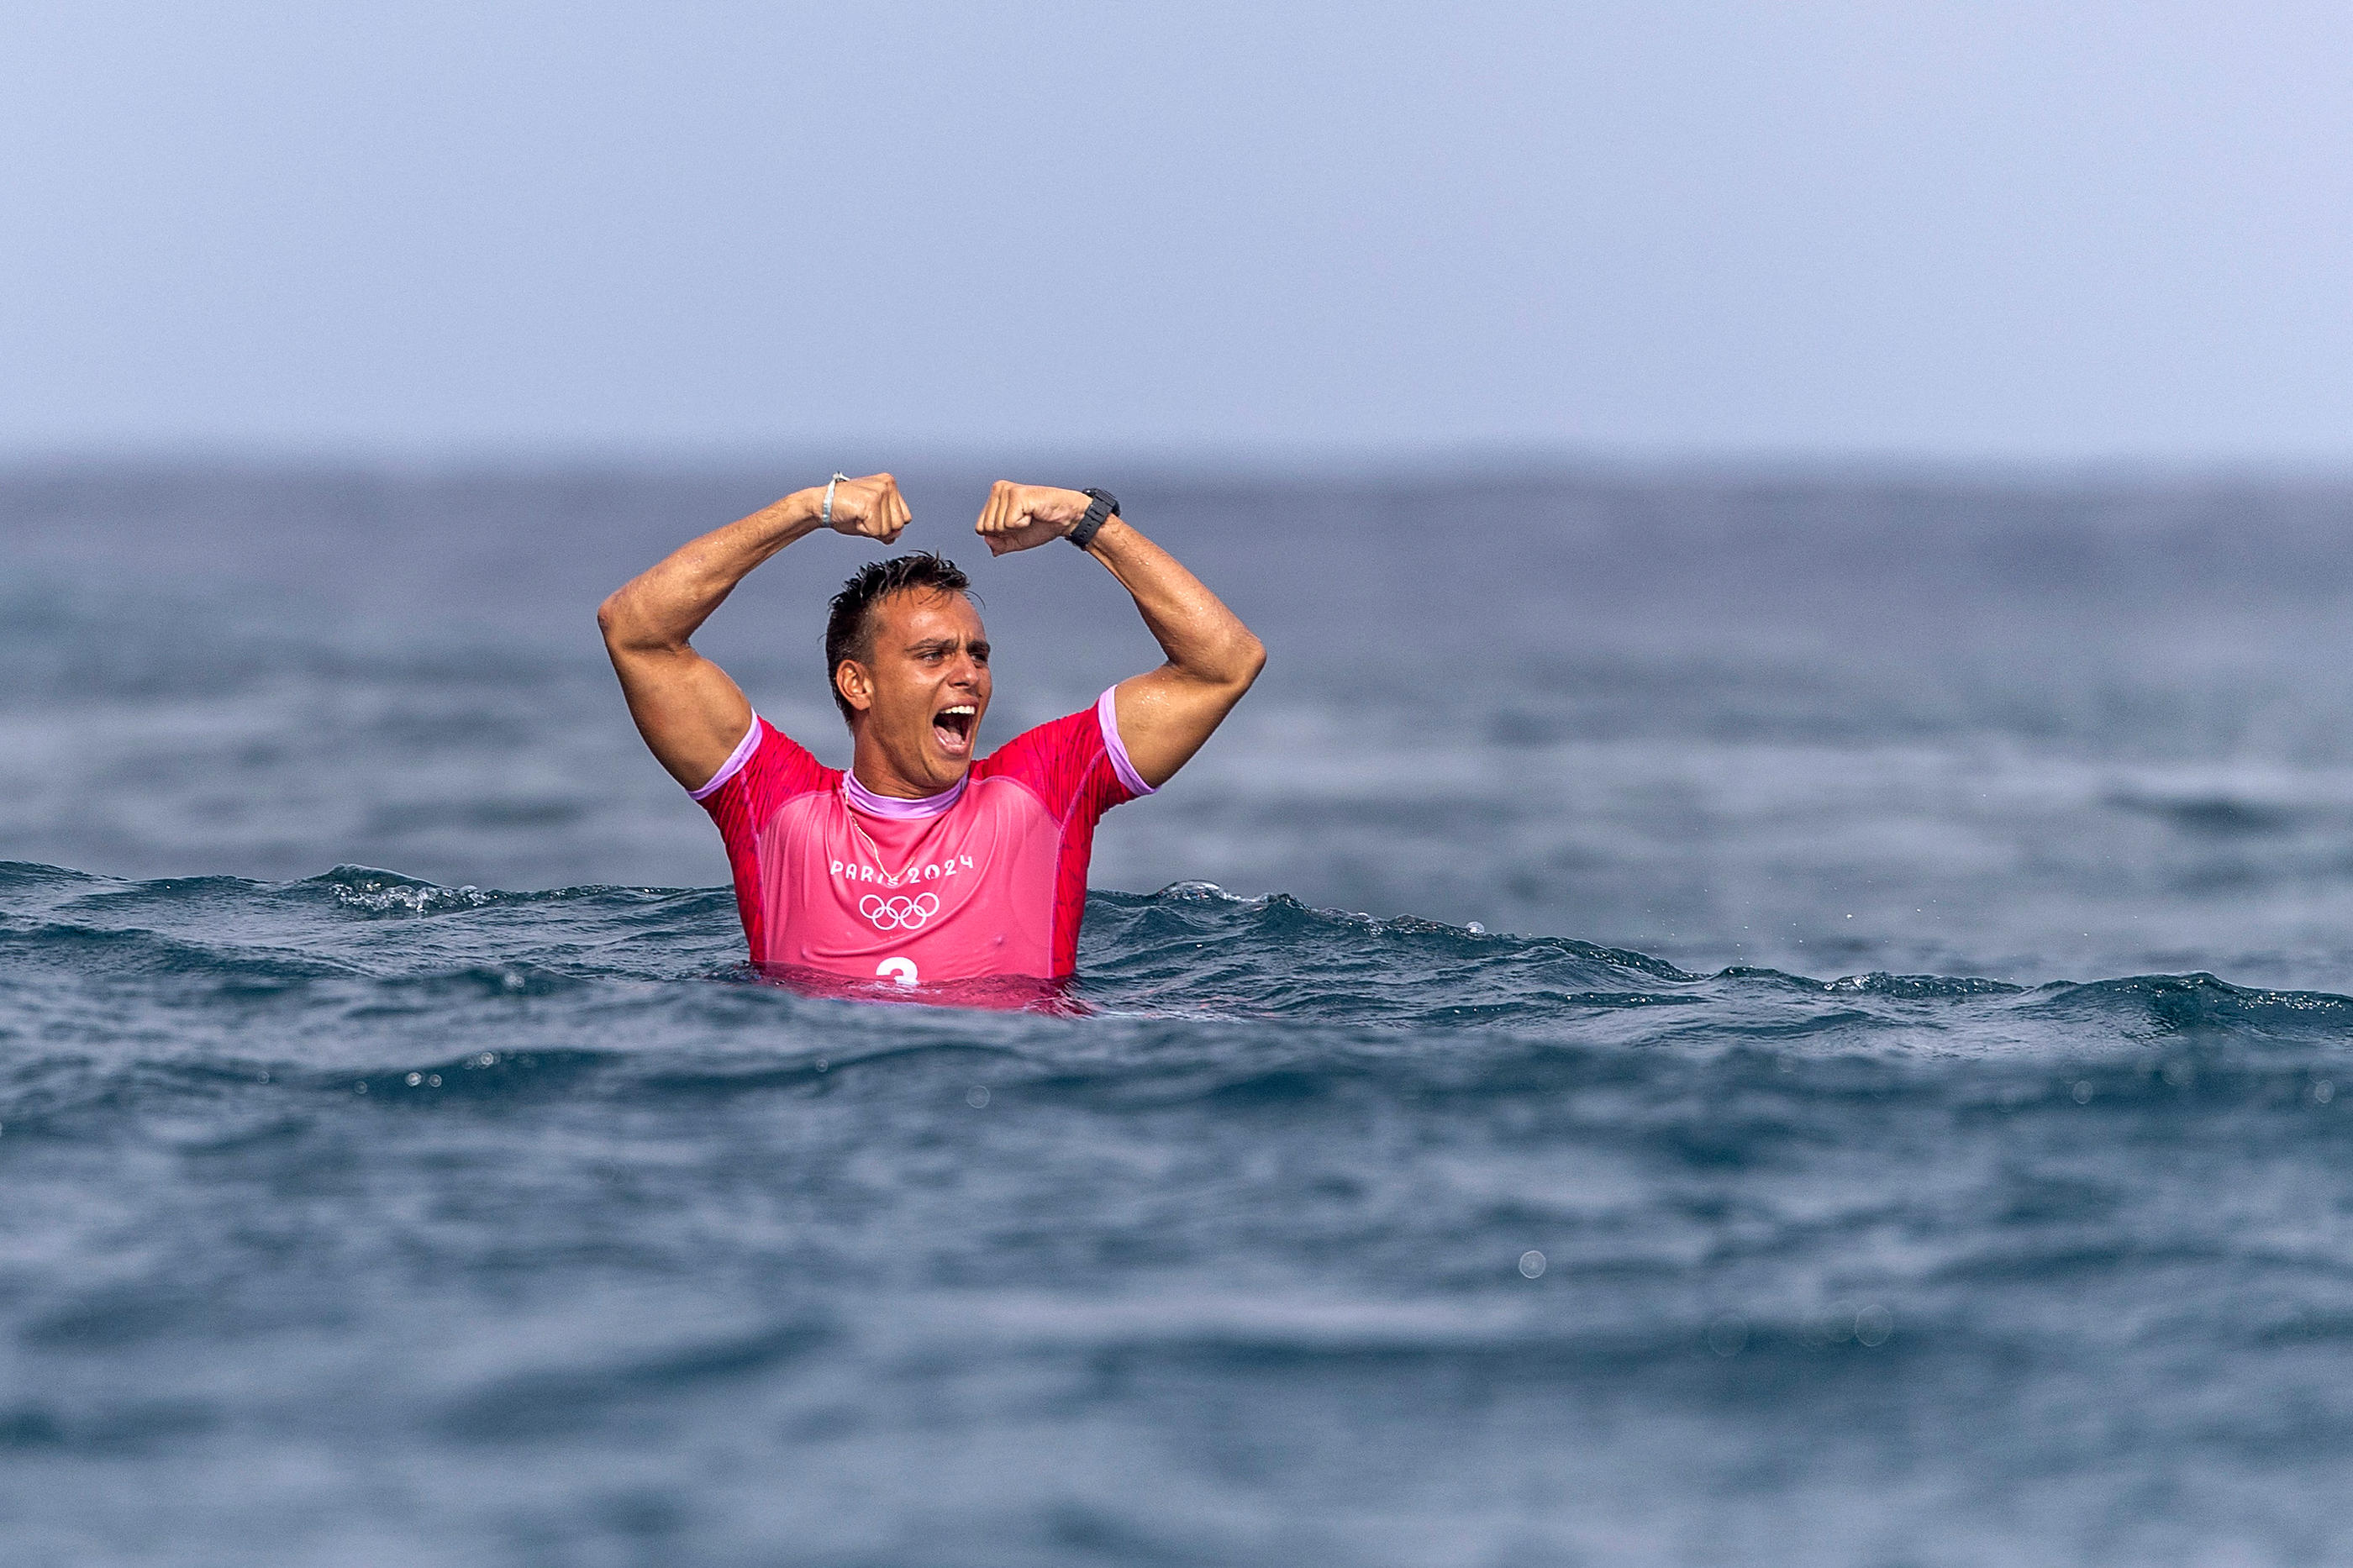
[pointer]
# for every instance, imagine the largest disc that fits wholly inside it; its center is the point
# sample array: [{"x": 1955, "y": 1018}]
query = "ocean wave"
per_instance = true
[{"x": 362, "y": 980}]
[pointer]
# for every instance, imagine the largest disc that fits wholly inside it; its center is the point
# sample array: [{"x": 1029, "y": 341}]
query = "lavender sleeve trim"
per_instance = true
[
  {"x": 735, "y": 762},
  {"x": 1107, "y": 718}
]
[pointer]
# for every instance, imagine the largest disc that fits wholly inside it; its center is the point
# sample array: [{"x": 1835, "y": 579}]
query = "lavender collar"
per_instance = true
[{"x": 860, "y": 798}]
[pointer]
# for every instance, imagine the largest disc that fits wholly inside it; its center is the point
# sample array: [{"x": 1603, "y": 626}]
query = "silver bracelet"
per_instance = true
[{"x": 825, "y": 518}]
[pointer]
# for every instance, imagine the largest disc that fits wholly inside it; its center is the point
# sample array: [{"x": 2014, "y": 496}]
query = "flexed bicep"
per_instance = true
[
  {"x": 690, "y": 712},
  {"x": 1165, "y": 717},
  {"x": 1166, "y": 714}
]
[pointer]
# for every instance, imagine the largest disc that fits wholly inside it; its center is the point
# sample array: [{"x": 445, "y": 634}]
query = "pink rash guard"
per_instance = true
[{"x": 987, "y": 878}]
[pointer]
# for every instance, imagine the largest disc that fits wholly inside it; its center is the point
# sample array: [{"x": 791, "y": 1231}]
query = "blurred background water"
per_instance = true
[
  {"x": 1703, "y": 1016},
  {"x": 2032, "y": 727}
]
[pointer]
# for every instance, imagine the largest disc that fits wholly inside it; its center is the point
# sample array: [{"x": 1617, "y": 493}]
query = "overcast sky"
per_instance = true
[{"x": 1992, "y": 230}]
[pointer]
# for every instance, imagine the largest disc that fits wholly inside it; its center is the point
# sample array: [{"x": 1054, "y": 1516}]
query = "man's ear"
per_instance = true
[{"x": 850, "y": 678}]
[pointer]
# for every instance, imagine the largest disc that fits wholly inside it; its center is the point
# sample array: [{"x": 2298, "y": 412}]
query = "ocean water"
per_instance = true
[{"x": 1693, "y": 1018}]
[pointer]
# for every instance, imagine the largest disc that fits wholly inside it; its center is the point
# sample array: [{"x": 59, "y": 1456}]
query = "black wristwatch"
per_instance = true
[{"x": 1106, "y": 505}]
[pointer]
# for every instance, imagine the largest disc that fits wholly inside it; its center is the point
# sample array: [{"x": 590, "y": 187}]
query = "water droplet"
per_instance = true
[
  {"x": 1727, "y": 1334},
  {"x": 512, "y": 980},
  {"x": 360, "y": 1088},
  {"x": 487, "y": 1059},
  {"x": 2083, "y": 1092},
  {"x": 415, "y": 1078},
  {"x": 1475, "y": 929},
  {"x": 433, "y": 1080},
  {"x": 820, "y": 1064},
  {"x": 1532, "y": 1264},
  {"x": 975, "y": 1097},
  {"x": 2323, "y": 1092},
  {"x": 1874, "y": 1324}
]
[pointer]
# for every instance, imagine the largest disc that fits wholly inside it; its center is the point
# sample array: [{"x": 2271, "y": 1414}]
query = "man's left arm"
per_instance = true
[{"x": 1167, "y": 713}]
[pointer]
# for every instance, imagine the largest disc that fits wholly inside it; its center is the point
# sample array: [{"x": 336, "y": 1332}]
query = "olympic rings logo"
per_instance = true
[{"x": 899, "y": 914}]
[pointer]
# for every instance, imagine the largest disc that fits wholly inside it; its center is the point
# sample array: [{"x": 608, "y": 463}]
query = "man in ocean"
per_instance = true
[{"x": 919, "y": 865}]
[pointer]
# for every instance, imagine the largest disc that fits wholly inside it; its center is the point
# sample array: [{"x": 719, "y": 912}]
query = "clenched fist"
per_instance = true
[
  {"x": 870, "y": 507},
  {"x": 1018, "y": 517}
]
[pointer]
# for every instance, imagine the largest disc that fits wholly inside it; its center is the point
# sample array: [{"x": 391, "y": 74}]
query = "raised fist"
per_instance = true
[
  {"x": 870, "y": 507},
  {"x": 1018, "y": 517}
]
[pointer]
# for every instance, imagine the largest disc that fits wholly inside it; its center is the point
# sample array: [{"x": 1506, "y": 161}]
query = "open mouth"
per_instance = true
[{"x": 953, "y": 728}]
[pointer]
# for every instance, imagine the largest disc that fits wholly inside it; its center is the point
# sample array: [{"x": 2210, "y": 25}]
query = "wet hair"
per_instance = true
[{"x": 850, "y": 621}]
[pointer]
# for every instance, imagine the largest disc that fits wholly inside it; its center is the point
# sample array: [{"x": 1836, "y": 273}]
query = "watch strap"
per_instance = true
[{"x": 1102, "y": 507}]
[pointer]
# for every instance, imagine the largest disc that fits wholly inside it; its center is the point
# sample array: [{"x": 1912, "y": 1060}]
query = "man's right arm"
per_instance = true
[{"x": 691, "y": 714}]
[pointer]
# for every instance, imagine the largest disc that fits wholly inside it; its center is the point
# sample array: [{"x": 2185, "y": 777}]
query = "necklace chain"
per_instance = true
[{"x": 874, "y": 848}]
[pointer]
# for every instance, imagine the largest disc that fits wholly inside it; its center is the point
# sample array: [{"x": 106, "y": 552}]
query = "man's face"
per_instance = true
[{"x": 925, "y": 685}]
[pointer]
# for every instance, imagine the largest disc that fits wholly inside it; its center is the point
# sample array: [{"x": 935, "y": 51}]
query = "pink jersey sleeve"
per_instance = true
[
  {"x": 1076, "y": 765},
  {"x": 766, "y": 769},
  {"x": 1079, "y": 768}
]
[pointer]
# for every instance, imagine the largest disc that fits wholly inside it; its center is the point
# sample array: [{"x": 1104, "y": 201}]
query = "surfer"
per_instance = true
[{"x": 924, "y": 862}]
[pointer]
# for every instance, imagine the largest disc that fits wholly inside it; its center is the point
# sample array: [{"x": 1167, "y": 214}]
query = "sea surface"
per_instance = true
[{"x": 1695, "y": 1017}]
